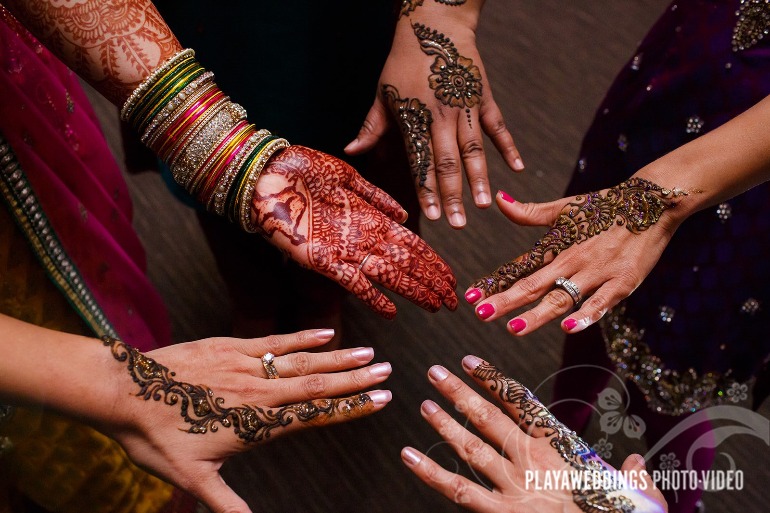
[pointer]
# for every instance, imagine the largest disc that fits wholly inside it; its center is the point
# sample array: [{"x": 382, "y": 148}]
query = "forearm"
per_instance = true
[
  {"x": 71, "y": 374},
  {"x": 441, "y": 12},
  {"x": 718, "y": 165},
  {"x": 112, "y": 44}
]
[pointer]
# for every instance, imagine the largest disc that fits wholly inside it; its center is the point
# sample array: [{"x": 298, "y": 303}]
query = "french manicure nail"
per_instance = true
[
  {"x": 483, "y": 198},
  {"x": 324, "y": 334},
  {"x": 517, "y": 324},
  {"x": 485, "y": 311},
  {"x": 438, "y": 373},
  {"x": 429, "y": 407},
  {"x": 432, "y": 212},
  {"x": 380, "y": 397},
  {"x": 506, "y": 197},
  {"x": 457, "y": 220},
  {"x": 410, "y": 456},
  {"x": 473, "y": 295},
  {"x": 380, "y": 370},
  {"x": 518, "y": 164},
  {"x": 363, "y": 354},
  {"x": 470, "y": 362},
  {"x": 570, "y": 324}
]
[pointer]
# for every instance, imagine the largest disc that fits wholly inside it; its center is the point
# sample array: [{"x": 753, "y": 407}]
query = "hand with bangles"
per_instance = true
[
  {"x": 324, "y": 215},
  {"x": 527, "y": 448},
  {"x": 182, "y": 410},
  {"x": 598, "y": 249},
  {"x": 434, "y": 88}
]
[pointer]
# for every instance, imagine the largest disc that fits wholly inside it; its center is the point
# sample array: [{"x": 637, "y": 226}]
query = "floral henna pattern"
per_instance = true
[
  {"x": 408, "y": 6},
  {"x": 205, "y": 412},
  {"x": 113, "y": 44},
  {"x": 414, "y": 118},
  {"x": 636, "y": 203},
  {"x": 598, "y": 490},
  {"x": 456, "y": 81}
]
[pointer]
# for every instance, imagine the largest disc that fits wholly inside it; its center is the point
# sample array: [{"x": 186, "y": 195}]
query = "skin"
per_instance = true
[
  {"x": 150, "y": 427},
  {"x": 455, "y": 134},
  {"x": 607, "y": 268},
  {"x": 506, "y": 449},
  {"x": 304, "y": 199}
]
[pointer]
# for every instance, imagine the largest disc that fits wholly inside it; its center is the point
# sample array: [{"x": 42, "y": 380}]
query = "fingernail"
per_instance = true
[
  {"x": 432, "y": 212},
  {"x": 438, "y": 373},
  {"x": 363, "y": 354},
  {"x": 429, "y": 407},
  {"x": 410, "y": 456},
  {"x": 324, "y": 334},
  {"x": 485, "y": 311},
  {"x": 470, "y": 362},
  {"x": 380, "y": 397},
  {"x": 403, "y": 216},
  {"x": 457, "y": 220},
  {"x": 352, "y": 144},
  {"x": 483, "y": 198},
  {"x": 517, "y": 324},
  {"x": 640, "y": 460},
  {"x": 506, "y": 197},
  {"x": 570, "y": 324},
  {"x": 380, "y": 370},
  {"x": 473, "y": 295},
  {"x": 518, "y": 164}
]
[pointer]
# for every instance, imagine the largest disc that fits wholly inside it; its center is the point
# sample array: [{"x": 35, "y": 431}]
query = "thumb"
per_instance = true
[
  {"x": 220, "y": 498},
  {"x": 633, "y": 462},
  {"x": 375, "y": 124},
  {"x": 529, "y": 214}
]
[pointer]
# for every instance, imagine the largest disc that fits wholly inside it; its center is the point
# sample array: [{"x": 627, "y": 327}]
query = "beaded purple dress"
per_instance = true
[{"x": 696, "y": 329}]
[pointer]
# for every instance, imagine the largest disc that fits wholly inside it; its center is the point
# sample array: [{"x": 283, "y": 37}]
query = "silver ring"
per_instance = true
[
  {"x": 361, "y": 265},
  {"x": 569, "y": 287},
  {"x": 267, "y": 363}
]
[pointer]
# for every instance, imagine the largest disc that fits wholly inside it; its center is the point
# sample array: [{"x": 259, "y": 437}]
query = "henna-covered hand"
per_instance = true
[
  {"x": 434, "y": 90},
  {"x": 323, "y": 214},
  {"x": 617, "y": 249},
  {"x": 184, "y": 409},
  {"x": 525, "y": 444}
]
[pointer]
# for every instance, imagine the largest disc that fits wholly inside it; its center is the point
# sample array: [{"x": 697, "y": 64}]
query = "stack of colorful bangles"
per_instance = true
[{"x": 212, "y": 150}]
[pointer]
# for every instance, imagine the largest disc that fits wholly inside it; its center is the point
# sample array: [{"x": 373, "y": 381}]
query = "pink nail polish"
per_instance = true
[
  {"x": 517, "y": 325},
  {"x": 470, "y": 362},
  {"x": 506, "y": 197},
  {"x": 438, "y": 373},
  {"x": 380, "y": 370},
  {"x": 324, "y": 334},
  {"x": 429, "y": 407},
  {"x": 380, "y": 397},
  {"x": 485, "y": 311},
  {"x": 363, "y": 354},
  {"x": 410, "y": 456},
  {"x": 570, "y": 324},
  {"x": 473, "y": 295}
]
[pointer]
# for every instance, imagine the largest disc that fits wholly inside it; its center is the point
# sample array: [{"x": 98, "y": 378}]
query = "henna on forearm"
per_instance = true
[
  {"x": 636, "y": 203},
  {"x": 414, "y": 119},
  {"x": 456, "y": 81},
  {"x": 113, "y": 44},
  {"x": 599, "y": 489},
  {"x": 205, "y": 412},
  {"x": 407, "y": 6}
]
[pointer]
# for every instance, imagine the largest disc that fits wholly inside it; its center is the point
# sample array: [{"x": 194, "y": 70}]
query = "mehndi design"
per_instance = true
[
  {"x": 599, "y": 490},
  {"x": 451, "y": 2},
  {"x": 636, "y": 203},
  {"x": 205, "y": 412},
  {"x": 456, "y": 81},
  {"x": 408, "y": 6},
  {"x": 414, "y": 119}
]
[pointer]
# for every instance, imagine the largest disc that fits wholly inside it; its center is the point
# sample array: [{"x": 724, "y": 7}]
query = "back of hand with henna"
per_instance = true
[{"x": 636, "y": 204}]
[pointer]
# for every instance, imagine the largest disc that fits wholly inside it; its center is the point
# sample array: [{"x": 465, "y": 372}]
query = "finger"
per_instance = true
[
  {"x": 497, "y": 427},
  {"x": 385, "y": 272},
  {"x": 554, "y": 303},
  {"x": 404, "y": 237},
  {"x": 350, "y": 277},
  {"x": 316, "y": 386},
  {"x": 474, "y": 161},
  {"x": 493, "y": 124},
  {"x": 529, "y": 214},
  {"x": 449, "y": 173},
  {"x": 635, "y": 467},
  {"x": 492, "y": 289},
  {"x": 427, "y": 194},
  {"x": 285, "y": 343},
  {"x": 374, "y": 126},
  {"x": 597, "y": 304},
  {"x": 319, "y": 412},
  {"x": 218, "y": 497},
  {"x": 378, "y": 198},
  {"x": 452, "y": 486},
  {"x": 305, "y": 364}
]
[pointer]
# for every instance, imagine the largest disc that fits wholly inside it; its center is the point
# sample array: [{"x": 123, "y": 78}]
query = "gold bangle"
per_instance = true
[
  {"x": 250, "y": 183},
  {"x": 216, "y": 203}
]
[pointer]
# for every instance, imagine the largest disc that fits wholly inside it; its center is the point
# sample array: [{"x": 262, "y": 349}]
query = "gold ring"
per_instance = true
[{"x": 267, "y": 363}]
